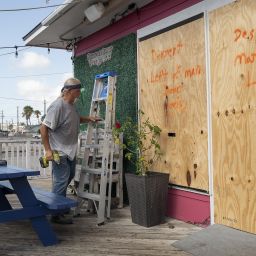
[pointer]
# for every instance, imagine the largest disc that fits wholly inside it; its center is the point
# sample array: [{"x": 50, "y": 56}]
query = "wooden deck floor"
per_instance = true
[{"x": 119, "y": 236}]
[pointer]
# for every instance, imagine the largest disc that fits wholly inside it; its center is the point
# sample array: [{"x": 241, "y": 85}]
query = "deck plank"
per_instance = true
[{"x": 119, "y": 236}]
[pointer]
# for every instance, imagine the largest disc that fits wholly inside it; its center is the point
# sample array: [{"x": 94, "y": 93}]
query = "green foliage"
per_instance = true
[
  {"x": 141, "y": 142},
  {"x": 37, "y": 113},
  {"x": 123, "y": 62},
  {"x": 27, "y": 113}
]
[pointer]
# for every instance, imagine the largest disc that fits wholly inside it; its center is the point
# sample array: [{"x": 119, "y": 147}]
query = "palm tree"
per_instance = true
[
  {"x": 37, "y": 113},
  {"x": 27, "y": 113}
]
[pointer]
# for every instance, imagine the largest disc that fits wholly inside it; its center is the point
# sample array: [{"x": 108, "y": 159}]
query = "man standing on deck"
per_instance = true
[{"x": 59, "y": 132}]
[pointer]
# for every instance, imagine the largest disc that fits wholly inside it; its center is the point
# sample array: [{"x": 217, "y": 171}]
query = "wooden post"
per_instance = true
[
  {"x": 28, "y": 153},
  {"x": 1, "y": 156}
]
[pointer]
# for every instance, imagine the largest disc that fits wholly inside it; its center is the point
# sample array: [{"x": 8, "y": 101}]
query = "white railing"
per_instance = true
[{"x": 23, "y": 153}]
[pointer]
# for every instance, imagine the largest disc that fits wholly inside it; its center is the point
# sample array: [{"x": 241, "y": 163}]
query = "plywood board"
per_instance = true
[
  {"x": 233, "y": 79},
  {"x": 172, "y": 94}
]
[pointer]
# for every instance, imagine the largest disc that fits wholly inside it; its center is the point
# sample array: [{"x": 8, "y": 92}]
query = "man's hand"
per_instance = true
[
  {"x": 87, "y": 119},
  {"x": 49, "y": 155},
  {"x": 94, "y": 118}
]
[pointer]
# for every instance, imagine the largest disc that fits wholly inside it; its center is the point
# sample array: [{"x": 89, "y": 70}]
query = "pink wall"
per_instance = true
[
  {"x": 188, "y": 206},
  {"x": 150, "y": 13}
]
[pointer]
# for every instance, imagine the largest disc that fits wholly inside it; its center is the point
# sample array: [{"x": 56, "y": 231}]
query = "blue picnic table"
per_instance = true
[{"x": 36, "y": 203}]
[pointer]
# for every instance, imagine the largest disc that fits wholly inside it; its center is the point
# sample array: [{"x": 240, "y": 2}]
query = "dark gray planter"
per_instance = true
[{"x": 147, "y": 197}]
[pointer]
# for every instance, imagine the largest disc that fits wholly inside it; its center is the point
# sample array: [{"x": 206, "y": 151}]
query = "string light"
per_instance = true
[
  {"x": 69, "y": 47},
  {"x": 70, "y": 42},
  {"x": 72, "y": 59},
  {"x": 16, "y": 52}
]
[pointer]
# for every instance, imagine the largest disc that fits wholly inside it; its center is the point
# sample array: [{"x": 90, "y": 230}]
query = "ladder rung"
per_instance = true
[
  {"x": 80, "y": 156},
  {"x": 92, "y": 170},
  {"x": 99, "y": 99},
  {"x": 93, "y": 146},
  {"x": 92, "y": 196},
  {"x": 106, "y": 74},
  {"x": 101, "y": 122}
]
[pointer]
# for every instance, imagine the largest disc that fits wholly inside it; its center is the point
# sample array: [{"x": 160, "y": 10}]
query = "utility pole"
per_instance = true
[
  {"x": 44, "y": 107},
  {"x": 17, "y": 129},
  {"x": 2, "y": 116}
]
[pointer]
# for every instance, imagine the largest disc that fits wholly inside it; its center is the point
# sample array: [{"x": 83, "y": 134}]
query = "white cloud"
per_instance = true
[
  {"x": 34, "y": 92},
  {"x": 33, "y": 60},
  {"x": 37, "y": 91},
  {"x": 31, "y": 89}
]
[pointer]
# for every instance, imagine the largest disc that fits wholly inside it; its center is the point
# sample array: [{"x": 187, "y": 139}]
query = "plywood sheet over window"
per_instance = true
[
  {"x": 233, "y": 73},
  {"x": 173, "y": 95}
]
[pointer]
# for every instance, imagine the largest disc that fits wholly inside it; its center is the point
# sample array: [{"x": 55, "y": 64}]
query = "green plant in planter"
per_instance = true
[
  {"x": 147, "y": 190},
  {"x": 141, "y": 142}
]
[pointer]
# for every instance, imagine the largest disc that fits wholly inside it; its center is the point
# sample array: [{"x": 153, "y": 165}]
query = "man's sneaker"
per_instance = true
[{"x": 61, "y": 219}]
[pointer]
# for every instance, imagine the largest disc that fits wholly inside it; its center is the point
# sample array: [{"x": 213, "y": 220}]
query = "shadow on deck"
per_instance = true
[{"x": 119, "y": 236}]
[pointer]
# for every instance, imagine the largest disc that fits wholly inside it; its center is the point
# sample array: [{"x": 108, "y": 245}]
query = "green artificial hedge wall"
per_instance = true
[{"x": 124, "y": 63}]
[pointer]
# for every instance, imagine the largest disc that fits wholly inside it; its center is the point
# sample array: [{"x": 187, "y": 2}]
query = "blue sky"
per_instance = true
[{"x": 30, "y": 78}]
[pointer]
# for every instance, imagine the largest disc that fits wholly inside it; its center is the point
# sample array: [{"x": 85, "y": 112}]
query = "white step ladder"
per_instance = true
[{"x": 100, "y": 151}]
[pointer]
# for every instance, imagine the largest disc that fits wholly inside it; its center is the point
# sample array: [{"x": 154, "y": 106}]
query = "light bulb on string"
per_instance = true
[
  {"x": 16, "y": 51},
  {"x": 72, "y": 59}
]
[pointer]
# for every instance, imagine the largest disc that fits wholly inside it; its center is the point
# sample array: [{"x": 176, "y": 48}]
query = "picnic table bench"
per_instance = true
[
  {"x": 54, "y": 203},
  {"x": 36, "y": 203}
]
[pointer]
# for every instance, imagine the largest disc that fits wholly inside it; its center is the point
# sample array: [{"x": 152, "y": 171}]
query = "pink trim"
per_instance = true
[
  {"x": 150, "y": 13},
  {"x": 188, "y": 206}
]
